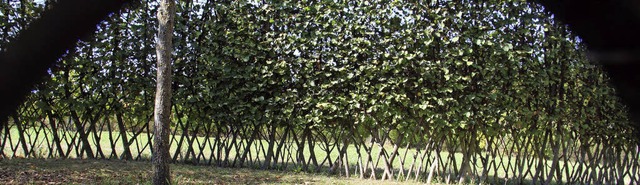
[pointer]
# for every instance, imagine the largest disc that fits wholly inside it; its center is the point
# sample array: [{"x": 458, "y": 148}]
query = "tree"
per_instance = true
[
  {"x": 162, "y": 114},
  {"x": 51, "y": 35}
]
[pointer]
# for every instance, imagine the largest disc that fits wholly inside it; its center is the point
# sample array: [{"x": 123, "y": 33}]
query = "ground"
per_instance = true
[{"x": 75, "y": 171}]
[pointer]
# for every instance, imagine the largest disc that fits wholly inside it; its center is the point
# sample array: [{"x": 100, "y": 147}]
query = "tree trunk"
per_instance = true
[
  {"x": 54, "y": 132},
  {"x": 469, "y": 145},
  {"x": 162, "y": 114},
  {"x": 126, "y": 155},
  {"x": 21, "y": 139},
  {"x": 272, "y": 140}
]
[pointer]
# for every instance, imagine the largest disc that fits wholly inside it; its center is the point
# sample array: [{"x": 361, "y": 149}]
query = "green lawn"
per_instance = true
[{"x": 74, "y": 171}]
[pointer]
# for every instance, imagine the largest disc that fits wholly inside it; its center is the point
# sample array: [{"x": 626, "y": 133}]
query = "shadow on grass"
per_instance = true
[
  {"x": 84, "y": 171},
  {"x": 326, "y": 171},
  {"x": 77, "y": 171}
]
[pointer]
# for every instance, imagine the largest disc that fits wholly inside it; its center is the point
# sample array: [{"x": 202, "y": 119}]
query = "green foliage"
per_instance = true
[{"x": 410, "y": 72}]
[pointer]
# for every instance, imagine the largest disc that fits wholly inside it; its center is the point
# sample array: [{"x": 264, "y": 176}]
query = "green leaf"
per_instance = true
[{"x": 507, "y": 47}]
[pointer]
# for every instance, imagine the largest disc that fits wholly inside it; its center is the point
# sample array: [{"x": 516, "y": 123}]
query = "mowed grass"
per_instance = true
[{"x": 84, "y": 171}]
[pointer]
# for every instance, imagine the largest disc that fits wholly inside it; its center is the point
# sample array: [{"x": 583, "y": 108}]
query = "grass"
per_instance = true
[
  {"x": 76, "y": 171},
  {"x": 41, "y": 150}
]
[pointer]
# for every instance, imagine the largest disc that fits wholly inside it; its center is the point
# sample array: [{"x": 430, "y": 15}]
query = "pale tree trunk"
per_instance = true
[
  {"x": 162, "y": 113},
  {"x": 469, "y": 146}
]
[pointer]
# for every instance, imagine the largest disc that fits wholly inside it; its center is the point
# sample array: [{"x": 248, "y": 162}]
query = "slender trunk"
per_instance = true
[
  {"x": 272, "y": 140},
  {"x": 162, "y": 114},
  {"x": 312, "y": 153},
  {"x": 344, "y": 156},
  {"x": 185, "y": 133},
  {"x": 541, "y": 159},
  {"x": 356, "y": 143},
  {"x": 283, "y": 141},
  {"x": 247, "y": 148},
  {"x": 96, "y": 136},
  {"x": 469, "y": 151},
  {"x": 433, "y": 168},
  {"x": 300, "y": 152},
  {"x": 191, "y": 153},
  {"x": 123, "y": 134},
  {"x": 23, "y": 142},
  {"x": 84, "y": 137},
  {"x": 54, "y": 132},
  {"x": 554, "y": 163}
]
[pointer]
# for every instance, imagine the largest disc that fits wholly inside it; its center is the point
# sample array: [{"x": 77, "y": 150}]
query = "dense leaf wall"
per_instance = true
[{"x": 434, "y": 90}]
